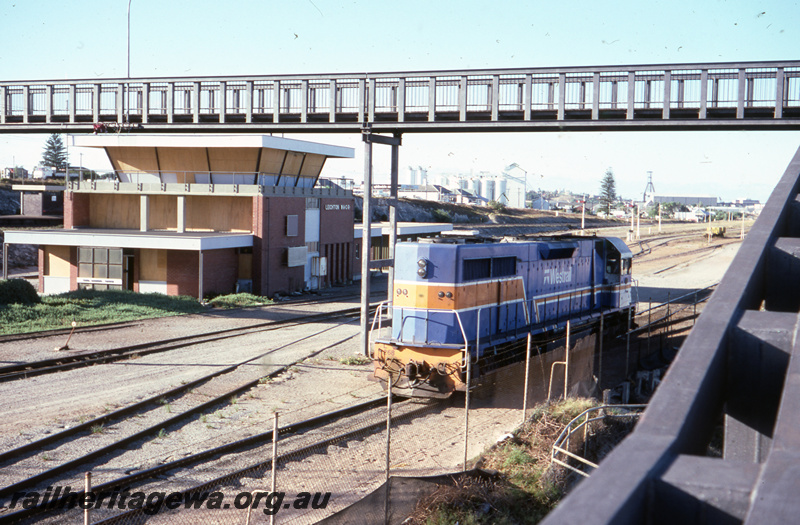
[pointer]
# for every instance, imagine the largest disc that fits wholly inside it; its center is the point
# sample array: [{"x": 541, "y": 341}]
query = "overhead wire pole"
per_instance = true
[
  {"x": 366, "y": 223},
  {"x": 393, "y": 183},
  {"x": 366, "y": 230}
]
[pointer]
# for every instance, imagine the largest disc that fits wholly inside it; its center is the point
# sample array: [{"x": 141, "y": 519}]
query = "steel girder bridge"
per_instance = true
[{"x": 735, "y": 96}]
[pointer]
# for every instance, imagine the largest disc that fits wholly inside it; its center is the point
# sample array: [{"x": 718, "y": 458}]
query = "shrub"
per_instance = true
[
  {"x": 18, "y": 291},
  {"x": 496, "y": 206},
  {"x": 440, "y": 215},
  {"x": 238, "y": 300}
]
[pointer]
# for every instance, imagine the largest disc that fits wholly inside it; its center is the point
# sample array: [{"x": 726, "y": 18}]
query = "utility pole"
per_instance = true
[
  {"x": 659, "y": 217},
  {"x": 583, "y": 214},
  {"x": 638, "y": 221}
]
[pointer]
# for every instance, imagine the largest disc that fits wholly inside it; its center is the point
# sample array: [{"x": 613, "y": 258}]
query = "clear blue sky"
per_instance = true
[{"x": 49, "y": 39}]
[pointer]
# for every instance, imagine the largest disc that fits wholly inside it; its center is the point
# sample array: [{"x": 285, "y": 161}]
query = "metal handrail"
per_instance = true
[
  {"x": 378, "y": 317},
  {"x": 568, "y": 431}
]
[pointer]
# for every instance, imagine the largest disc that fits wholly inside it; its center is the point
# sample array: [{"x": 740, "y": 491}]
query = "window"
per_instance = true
[
  {"x": 312, "y": 203},
  {"x": 313, "y": 247},
  {"x": 100, "y": 268},
  {"x": 612, "y": 265},
  {"x": 291, "y": 226}
]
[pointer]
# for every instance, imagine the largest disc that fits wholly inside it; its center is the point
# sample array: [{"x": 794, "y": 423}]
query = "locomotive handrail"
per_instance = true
[
  {"x": 377, "y": 317},
  {"x": 525, "y": 304},
  {"x": 464, "y": 334},
  {"x": 635, "y": 282}
]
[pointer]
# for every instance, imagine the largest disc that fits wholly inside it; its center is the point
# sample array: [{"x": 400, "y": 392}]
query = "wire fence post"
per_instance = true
[
  {"x": 628, "y": 344},
  {"x": 600, "y": 371},
  {"x": 87, "y": 489},
  {"x": 388, "y": 450},
  {"x": 274, "y": 463},
  {"x": 566, "y": 364},
  {"x": 527, "y": 373},
  {"x": 388, "y": 426},
  {"x": 466, "y": 413},
  {"x": 649, "y": 321},
  {"x": 669, "y": 322},
  {"x": 468, "y": 378}
]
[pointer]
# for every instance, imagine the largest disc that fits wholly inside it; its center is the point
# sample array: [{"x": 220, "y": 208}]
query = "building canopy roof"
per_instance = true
[
  {"x": 178, "y": 158},
  {"x": 115, "y": 140}
]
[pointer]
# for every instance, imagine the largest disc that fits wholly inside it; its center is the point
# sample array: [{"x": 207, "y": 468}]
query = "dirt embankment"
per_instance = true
[
  {"x": 9, "y": 201},
  {"x": 485, "y": 220}
]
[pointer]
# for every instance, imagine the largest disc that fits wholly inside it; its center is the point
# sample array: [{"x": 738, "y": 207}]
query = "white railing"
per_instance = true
[{"x": 560, "y": 451}]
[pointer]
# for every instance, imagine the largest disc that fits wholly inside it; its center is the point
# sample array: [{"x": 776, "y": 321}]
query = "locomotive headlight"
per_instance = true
[{"x": 423, "y": 268}]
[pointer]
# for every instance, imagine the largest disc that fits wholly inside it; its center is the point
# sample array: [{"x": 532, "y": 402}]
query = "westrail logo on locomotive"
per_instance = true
[{"x": 556, "y": 276}]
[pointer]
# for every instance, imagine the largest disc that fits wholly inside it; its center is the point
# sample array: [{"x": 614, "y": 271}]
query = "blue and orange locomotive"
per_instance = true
[{"x": 454, "y": 298}]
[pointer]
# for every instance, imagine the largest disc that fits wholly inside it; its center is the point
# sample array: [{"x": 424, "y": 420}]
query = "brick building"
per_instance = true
[{"x": 200, "y": 214}]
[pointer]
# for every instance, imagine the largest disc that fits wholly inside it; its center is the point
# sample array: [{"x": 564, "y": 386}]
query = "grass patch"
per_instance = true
[
  {"x": 91, "y": 307},
  {"x": 524, "y": 490},
  {"x": 355, "y": 360},
  {"x": 239, "y": 300}
]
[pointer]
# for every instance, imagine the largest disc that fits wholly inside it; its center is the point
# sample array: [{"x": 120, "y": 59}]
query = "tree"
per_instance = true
[
  {"x": 608, "y": 190},
  {"x": 55, "y": 154}
]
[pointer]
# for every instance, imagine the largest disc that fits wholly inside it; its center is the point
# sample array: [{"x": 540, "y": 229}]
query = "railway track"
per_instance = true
[
  {"x": 338, "y": 433},
  {"x": 17, "y": 454},
  {"x": 62, "y": 363},
  {"x": 87, "y": 461}
]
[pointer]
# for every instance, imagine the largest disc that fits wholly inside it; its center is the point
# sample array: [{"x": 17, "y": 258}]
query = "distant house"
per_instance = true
[
  {"x": 460, "y": 196},
  {"x": 432, "y": 192},
  {"x": 540, "y": 204},
  {"x": 695, "y": 215}
]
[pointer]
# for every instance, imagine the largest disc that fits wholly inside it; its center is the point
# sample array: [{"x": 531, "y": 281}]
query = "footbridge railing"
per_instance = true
[{"x": 730, "y": 95}]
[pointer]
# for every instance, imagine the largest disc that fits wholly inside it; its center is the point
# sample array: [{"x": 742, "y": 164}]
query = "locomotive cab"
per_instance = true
[{"x": 617, "y": 271}]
